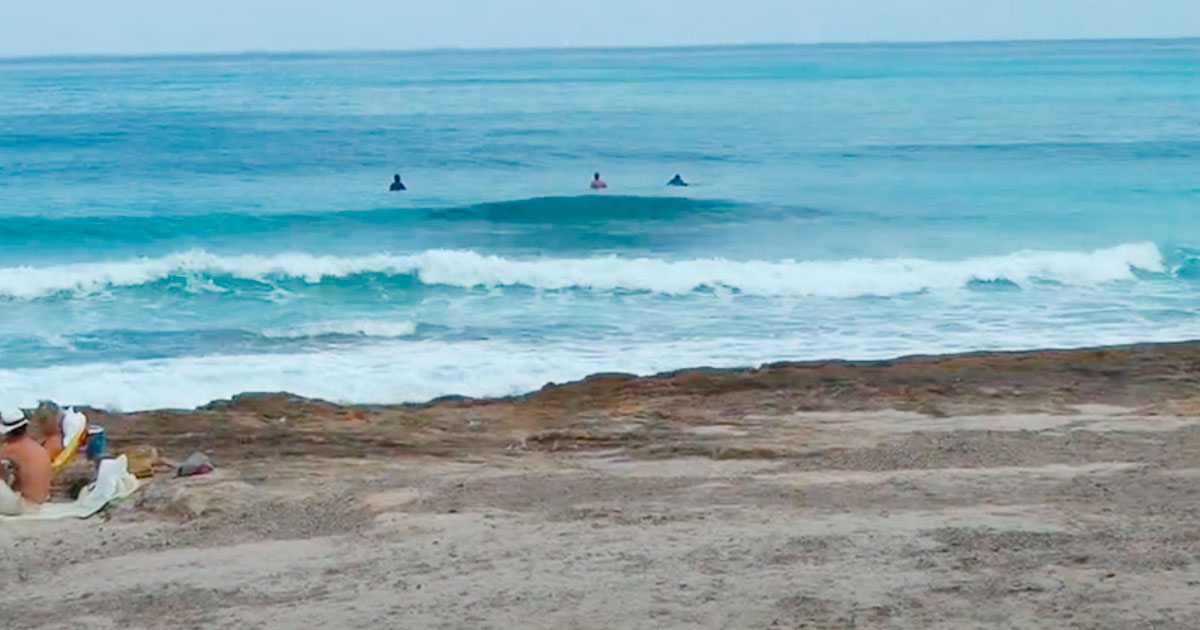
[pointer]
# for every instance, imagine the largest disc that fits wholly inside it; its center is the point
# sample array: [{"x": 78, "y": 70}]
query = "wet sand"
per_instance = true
[{"x": 1054, "y": 489}]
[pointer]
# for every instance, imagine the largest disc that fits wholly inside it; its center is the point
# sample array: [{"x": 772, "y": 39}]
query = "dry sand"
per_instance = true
[{"x": 1033, "y": 490}]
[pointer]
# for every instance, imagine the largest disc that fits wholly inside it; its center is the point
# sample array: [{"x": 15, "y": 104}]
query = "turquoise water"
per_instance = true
[{"x": 176, "y": 230}]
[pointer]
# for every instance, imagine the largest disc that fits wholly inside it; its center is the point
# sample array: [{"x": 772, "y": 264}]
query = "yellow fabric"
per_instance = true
[
  {"x": 69, "y": 449},
  {"x": 73, "y": 427}
]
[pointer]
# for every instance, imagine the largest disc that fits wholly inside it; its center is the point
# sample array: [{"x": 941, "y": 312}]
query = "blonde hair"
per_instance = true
[{"x": 46, "y": 417}]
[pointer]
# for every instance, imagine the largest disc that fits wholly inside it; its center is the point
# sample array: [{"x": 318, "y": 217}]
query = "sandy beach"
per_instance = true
[{"x": 1053, "y": 489}]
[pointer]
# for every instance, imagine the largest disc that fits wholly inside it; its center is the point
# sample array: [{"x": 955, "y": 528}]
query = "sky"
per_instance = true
[{"x": 70, "y": 27}]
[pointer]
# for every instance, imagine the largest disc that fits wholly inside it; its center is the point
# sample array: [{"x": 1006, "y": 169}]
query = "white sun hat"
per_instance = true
[{"x": 11, "y": 420}]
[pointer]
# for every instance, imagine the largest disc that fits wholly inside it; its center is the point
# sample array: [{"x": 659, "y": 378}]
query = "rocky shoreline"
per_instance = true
[
  {"x": 282, "y": 424},
  {"x": 1027, "y": 489}
]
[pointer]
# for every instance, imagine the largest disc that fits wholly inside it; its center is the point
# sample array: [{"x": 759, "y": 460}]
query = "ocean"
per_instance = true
[{"x": 175, "y": 230}]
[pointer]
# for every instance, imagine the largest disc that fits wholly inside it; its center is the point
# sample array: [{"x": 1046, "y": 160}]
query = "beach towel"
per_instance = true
[
  {"x": 113, "y": 483},
  {"x": 11, "y": 503}
]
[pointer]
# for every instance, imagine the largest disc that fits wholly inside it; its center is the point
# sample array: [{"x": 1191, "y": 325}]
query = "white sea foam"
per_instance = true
[
  {"x": 837, "y": 278},
  {"x": 362, "y": 328},
  {"x": 411, "y": 370}
]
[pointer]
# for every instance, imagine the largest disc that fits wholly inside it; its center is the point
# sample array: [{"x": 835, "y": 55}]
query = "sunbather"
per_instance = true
[{"x": 26, "y": 483}]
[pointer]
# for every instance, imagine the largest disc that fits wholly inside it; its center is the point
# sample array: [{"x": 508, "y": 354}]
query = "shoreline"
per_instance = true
[
  {"x": 1137, "y": 375},
  {"x": 1028, "y": 489},
  {"x": 1096, "y": 354}
]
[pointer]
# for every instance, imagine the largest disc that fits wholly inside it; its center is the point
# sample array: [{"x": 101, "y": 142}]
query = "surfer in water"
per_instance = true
[
  {"x": 397, "y": 184},
  {"x": 677, "y": 181},
  {"x": 597, "y": 183}
]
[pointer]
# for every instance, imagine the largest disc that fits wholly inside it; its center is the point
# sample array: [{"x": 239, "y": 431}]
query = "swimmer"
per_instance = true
[
  {"x": 397, "y": 184},
  {"x": 597, "y": 183},
  {"x": 29, "y": 485},
  {"x": 677, "y": 181}
]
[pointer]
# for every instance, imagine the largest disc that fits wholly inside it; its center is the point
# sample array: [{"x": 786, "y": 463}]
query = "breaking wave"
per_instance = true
[{"x": 468, "y": 269}]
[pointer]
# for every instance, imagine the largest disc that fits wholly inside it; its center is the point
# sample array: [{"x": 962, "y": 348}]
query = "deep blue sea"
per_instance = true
[{"x": 175, "y": 230}]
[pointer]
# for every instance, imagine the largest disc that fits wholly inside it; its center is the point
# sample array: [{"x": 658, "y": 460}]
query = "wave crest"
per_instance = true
[
  {"x": 468, "y": 269},
  {"x": 560, "y": 211}
]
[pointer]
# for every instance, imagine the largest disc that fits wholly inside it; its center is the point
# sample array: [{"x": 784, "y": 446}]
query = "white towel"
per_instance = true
[
  {"x": 72, "y": 425},
  {"x": 11, "y": 503}
]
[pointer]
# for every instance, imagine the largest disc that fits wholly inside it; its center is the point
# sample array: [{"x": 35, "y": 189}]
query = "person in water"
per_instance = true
[
  {"x": 597, "y": 183},
  {"x": 677, "y": 181},
  {"x": 397, "y": 184},
  {"x": 25, "y": 474}
]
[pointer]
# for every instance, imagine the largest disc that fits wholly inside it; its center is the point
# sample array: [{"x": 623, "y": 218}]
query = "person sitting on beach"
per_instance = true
[
  {"x": 597, "y": 183},
  {"x": 397, "y": 184},
  {"x": 677, "y": 181},
  {"x": 28, "y": 485},
  {"x": 59, "y": 429}
]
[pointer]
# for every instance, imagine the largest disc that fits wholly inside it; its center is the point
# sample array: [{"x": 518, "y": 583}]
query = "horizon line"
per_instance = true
[{"x": 562, "y": 48}]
